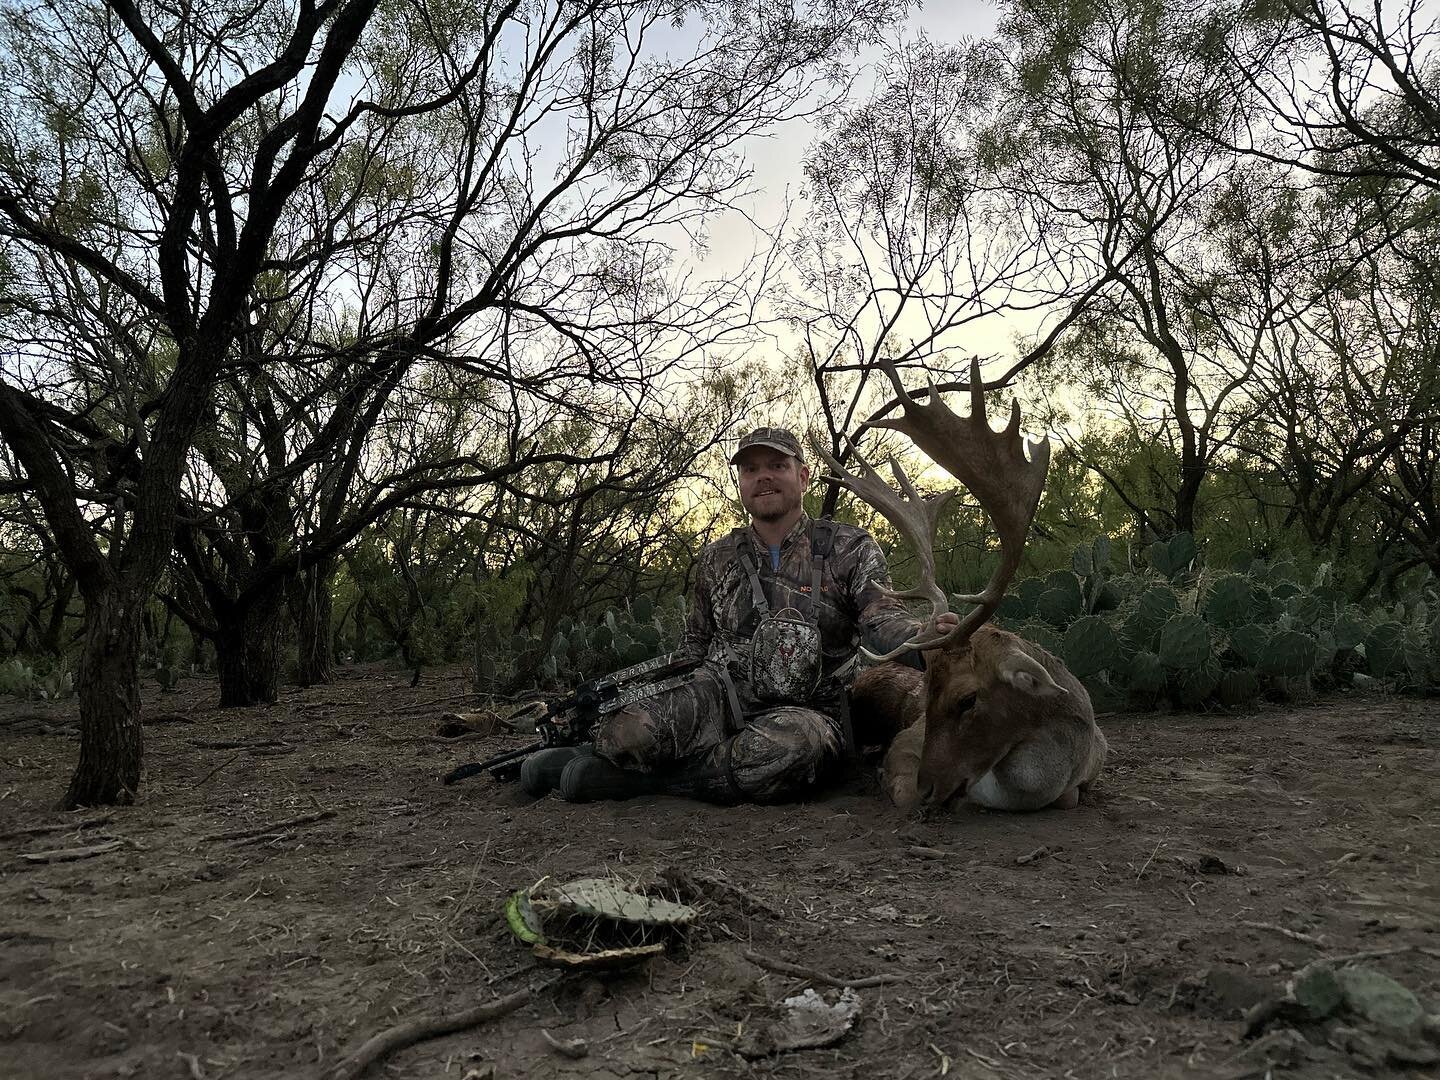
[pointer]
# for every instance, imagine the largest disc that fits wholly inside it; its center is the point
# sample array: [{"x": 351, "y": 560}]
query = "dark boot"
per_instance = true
[
  {"x": 540, "y": 773},
  {"x": 592, "y": 778}
]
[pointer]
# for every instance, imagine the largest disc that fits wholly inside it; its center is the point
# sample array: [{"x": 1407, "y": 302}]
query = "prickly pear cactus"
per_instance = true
[
  {"x": 1090, "y": 646},
  {"x": 1146, "y": 674},
  {"x": 1104, "y": 695},
  {"x": 1305, "y": 609},
  {"x": 1153, "y": 608},
  {"x": 1383, "y": 649},
  {"x": 1230, "y": 602},
  {"x": 1248, "y": 643},
  {"x": 1043, "y": 636},
  {"x": 1171, "y": 558},
  {"x": 1191, "y": 686},
  {"x": 1349, "y": 631},
  {"x": 1060, "y": 606},
  {"x": 1238, "y": 687},
  {"x": 1184, "y": 642},
  {"x": 1289, "y": 654}
]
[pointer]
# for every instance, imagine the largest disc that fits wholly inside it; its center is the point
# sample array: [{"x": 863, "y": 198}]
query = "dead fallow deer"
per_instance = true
[{"x": 994, "y": 718}]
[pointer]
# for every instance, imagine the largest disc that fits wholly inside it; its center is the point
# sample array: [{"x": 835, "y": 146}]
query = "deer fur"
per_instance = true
[{"x": 996, "y": 720}]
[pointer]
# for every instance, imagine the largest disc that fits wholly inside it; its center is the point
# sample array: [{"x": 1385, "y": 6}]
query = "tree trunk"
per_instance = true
[
  {"x": 248, "y": 648},
  {"x": 108, "y": 772},
  {"x": 311, "y": 606}
]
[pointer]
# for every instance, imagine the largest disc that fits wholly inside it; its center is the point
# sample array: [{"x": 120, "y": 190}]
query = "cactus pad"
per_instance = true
[
  {"x": 1090, "y": 646},
  {"x": 1184, "y": 643},
  {"x": 1238, "y": 687},
  {"x": 1290, "y": 654},
  {"x": 1147, "y": 674},
  {"x": 1193, "y": 685},
  {"x": 1231, "y": 602}
]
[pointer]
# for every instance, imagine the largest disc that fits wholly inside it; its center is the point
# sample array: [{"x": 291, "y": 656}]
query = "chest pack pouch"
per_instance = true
[{"x": 785, "y": 649}]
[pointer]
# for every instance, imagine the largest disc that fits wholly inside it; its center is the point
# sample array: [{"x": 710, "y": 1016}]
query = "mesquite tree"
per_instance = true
[{"x": 339, "y": 191}]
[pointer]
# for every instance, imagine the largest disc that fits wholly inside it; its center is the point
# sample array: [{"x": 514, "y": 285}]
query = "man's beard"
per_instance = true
[{"x": 780, "y": 509}]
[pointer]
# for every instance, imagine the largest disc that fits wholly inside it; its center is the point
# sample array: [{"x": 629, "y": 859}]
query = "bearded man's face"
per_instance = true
[{"x": 771, "y": 482}]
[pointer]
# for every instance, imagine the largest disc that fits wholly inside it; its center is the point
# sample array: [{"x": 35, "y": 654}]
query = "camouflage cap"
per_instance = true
[{"x": 776, "y": 438}]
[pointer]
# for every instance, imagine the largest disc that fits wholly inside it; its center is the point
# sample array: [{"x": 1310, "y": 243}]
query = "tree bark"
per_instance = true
[
  {"x": 248, "y": 648},
  {"x": 312, "y": 600},
  {"x": 108, "y": 773}
]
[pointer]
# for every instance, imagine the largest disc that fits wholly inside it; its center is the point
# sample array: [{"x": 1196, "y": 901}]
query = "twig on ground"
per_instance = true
[
  {"x": 215, "y": 770},
  {"x": 1159, "y": 844},
  {"x": 421, "y": 706},
  {"x": 1040, "y": 853},
  {"x": 193, "y": 1062},
  {"x": 920, "y": 851},
  {"x": 699, "y": 885},
  {"x": 166, "y": 718},
  {"x": 273, "y": 827},
  {"x": 413, "y": 1031},
  {"x": 1375, "y": 954},
  {"x": 1293, "y": 935},
  {"x": 270, "y": 751},
  {"x": 570, "y": 1048},
  {"x": 66, "y": 826},
  {"x": 72, "y": 854},
  {"x": 785, "y": 968},
  {"x": 235, "y": 744}
]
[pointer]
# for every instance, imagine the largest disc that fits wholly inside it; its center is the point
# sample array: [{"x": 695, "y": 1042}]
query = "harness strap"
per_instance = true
[
  {"x": 737, "y": 717},
  {"x": 747, "y": 560}
]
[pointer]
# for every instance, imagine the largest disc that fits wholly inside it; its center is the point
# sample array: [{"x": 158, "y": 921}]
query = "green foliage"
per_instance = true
[
  {"x": 1147, "y": 674},
  {"x": 1238, "y": 687},
  {"x": 1383, "y": 649},
  {"x": 1248, "y": 643},
  {"x": 1231, "y": 602},
  {"x": 1260, "y": 628},
  {"x": 1090, "y": 646},
  {"x": 1192, "y": 686},
  {"x": 1172, "y": 558},
  {"x": 1184, "y": 642},
  {"x": 17, "y": 678},
  {"x": 1150, "y": 611},
  {"x": 618, "y": 639},
  {"x": 1289, "y": 653}
]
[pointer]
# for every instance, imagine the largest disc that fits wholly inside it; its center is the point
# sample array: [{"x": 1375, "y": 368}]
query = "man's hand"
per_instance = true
[{"x": 941, "y": 624}]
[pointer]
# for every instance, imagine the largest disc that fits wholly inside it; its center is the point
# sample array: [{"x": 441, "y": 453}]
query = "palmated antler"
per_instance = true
[
  {"x": 915, "y": 517},
  {"x": 1002, "y": 469}
]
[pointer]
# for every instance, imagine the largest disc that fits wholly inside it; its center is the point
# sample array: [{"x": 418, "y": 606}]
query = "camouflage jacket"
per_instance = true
[{"x": 851, "y": 609}]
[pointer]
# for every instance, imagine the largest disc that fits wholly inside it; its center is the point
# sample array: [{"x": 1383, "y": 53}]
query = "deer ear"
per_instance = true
[{"x": 1028, "y": 675}]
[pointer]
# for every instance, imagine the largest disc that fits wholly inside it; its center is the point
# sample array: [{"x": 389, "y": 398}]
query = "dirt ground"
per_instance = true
[{"x": 1218, "y": 854}]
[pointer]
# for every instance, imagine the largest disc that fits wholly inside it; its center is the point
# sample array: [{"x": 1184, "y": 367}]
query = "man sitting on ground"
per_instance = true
[{"x": 780, "y": 608}]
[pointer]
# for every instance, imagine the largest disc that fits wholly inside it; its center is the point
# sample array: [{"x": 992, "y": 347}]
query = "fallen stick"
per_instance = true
[
  {"x": 71, "y": 854},
  {"x": 570, "y": 1048},
  {"x": 39, "y": 830},
  {"x": 1293, "y": 935},
  {"x": 273, "y": 827},
  {"x": 1038, "y": 854},
  {"x": 235, "y": 744},
  {"x": 216, "y": 769},
  {"x": 167, "y": 718},
  {"x": 785, "y": 968},
  {"x": 413, "y": 1031}
]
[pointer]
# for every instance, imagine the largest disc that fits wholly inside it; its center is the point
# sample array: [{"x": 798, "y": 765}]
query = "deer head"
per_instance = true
[{"x": 985, "y": 689}]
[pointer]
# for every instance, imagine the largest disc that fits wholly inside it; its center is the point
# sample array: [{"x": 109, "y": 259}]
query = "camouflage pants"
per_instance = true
[{"x": 684, "y": 737}]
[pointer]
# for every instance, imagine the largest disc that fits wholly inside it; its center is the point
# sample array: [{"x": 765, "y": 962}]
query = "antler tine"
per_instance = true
[
  {"x": 1002, "y": 469},
  {"x": 916, "y": 519}
]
